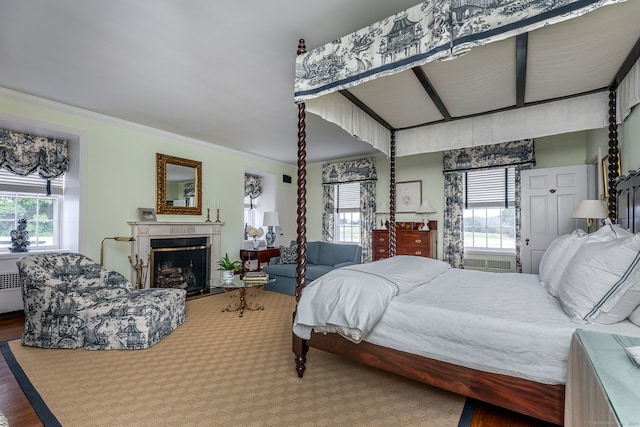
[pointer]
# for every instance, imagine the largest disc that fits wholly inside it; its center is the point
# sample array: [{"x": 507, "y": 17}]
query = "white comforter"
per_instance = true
[
  {"x": 497, "y": 322},
  {"x": 351, "y": 300}
]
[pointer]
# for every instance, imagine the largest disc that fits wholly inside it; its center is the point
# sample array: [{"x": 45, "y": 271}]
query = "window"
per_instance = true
[
  {"x": 489, "y": 214},
  {"x": 24, "y": 197},
  {"x": 347, "y": 214},
  {"x": 250, "y": 206}
]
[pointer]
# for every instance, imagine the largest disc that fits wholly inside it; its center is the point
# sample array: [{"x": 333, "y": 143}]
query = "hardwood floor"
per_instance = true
[
  {"x": 13, "y": 403},
  {"x": 19, "y": 412}
]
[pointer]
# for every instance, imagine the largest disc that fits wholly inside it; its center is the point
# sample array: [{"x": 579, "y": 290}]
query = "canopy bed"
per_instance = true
[{"x": 439, "y": 70}]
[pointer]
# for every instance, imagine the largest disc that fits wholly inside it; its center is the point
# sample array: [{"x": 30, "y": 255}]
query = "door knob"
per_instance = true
[{"x": 526, "y": 241}]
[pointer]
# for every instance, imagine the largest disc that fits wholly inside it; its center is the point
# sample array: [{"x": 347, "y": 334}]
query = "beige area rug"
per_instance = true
[{"x": 222, "y": 369}]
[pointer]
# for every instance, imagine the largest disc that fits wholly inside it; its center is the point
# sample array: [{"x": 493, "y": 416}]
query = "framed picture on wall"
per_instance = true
[
  {"x": 604, "y": 166},
  {"x": 147, "y": 214},
  {"x": 408, "y": 196}
]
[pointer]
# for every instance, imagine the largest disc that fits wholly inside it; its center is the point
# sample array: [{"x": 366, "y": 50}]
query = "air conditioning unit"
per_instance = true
[{"x": 495, "y": 263}]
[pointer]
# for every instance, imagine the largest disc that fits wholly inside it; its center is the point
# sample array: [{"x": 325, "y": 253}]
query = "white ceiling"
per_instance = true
[{"x": 219, "y": 71}]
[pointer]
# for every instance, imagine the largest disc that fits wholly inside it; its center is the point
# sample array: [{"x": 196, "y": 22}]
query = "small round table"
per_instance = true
[{"x": 241, "y": 286}]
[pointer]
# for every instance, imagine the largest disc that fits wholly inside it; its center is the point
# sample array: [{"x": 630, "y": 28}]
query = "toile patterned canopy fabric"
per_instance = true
[{"x": 426, "y": 32}]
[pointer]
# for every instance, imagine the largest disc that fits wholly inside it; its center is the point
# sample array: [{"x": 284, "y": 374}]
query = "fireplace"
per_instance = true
[
  {"x": 181, "y": 263},
  {"x": 176, "y": 238}
]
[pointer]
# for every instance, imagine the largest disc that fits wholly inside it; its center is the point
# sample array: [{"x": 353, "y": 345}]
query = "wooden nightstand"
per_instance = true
[
  {"x": 602, "y": 382},
  {"x": 262, "y": 255}
]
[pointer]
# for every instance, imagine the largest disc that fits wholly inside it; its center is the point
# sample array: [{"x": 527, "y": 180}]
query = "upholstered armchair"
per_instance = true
[{"x": 57, "y": 290}]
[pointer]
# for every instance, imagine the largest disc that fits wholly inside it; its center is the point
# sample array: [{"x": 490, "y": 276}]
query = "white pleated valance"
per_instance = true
[{"x": 628, "y": 93}]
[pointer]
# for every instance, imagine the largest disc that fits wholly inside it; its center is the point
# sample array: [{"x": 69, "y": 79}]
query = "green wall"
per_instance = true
[
  {"x": 553, "y": 151},
  {"x": 121, "y": 173}
]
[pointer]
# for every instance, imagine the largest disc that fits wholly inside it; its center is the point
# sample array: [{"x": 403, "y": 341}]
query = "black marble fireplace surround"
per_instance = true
[{"x": 180, "y": 263}]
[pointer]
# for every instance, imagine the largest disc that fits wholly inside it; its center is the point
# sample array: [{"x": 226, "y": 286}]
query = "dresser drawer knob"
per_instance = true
[
  {"x": 381, "y": 239},
  {"x": 418, "y": 253},
  {"x": 418, "y": 240},
  {"x": 381, "y": 251}
]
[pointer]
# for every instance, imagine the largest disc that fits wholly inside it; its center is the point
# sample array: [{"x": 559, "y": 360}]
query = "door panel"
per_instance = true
[{"x": 548, "y": 198}]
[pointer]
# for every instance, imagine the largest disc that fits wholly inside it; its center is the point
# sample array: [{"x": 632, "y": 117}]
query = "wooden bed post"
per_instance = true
[
  {"x": 300, "y": 346},
  {"x": 392, "y": 195},
  {"x": 613, "y": 156}
]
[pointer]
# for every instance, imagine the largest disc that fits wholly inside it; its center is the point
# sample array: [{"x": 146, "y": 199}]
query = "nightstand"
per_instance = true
[{"x": 603, "y": 384}]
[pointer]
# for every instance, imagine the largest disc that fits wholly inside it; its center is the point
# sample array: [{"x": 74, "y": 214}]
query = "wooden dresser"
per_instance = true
[{"x": 409, "y": 241}]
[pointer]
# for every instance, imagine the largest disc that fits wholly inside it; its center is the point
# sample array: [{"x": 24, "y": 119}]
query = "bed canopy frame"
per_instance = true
[{"x": 452, "y": 28}]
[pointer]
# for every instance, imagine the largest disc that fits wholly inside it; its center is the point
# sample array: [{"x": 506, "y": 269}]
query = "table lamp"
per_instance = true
[
  {"x": 425, "y": 209},
  {"x": 271, "y": 219},
  {"x": 590, "y": 210}
]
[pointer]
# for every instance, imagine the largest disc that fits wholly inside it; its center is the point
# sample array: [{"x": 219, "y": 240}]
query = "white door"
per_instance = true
[{"x": 548, "y": 198}]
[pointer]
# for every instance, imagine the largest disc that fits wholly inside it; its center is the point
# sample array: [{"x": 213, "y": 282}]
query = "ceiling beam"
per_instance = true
[
  {"x": 522, "y": 42},
  {"x": 428, "y": 87},
  {"x": 358, "y": 103}
]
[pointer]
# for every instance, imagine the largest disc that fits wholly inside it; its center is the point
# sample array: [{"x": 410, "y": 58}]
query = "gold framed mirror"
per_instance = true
[{"x": 178, "y": 185}]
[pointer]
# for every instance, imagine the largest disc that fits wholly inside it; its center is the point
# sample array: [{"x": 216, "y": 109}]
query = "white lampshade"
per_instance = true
[
  {"x": 271, "y": 218},
  {"x": 591, "y": 209},
  {"x": 426, "y": 207}
]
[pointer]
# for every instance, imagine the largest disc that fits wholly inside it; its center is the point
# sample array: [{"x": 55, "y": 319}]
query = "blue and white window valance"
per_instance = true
[{"x": 24, "y": 154}]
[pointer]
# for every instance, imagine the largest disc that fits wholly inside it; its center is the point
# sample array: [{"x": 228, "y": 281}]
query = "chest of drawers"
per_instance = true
[{"x": 408, "y": 242}]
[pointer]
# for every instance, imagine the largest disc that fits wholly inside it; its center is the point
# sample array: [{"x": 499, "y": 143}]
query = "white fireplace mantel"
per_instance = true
[{"x": 145, "y": 231}]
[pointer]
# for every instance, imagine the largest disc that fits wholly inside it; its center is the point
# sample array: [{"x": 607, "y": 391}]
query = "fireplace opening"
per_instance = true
[{"x": 181, "y": 263}]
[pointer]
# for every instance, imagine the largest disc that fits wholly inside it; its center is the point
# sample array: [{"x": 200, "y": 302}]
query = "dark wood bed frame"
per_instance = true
[{"x": 542, "y": 401}]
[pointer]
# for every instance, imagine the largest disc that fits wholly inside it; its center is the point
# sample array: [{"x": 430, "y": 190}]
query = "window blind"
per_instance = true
[
  {"x": 348, "y": 196},
  {"x": 490, "y": 188},
  {"x": 29, "y": 184}
]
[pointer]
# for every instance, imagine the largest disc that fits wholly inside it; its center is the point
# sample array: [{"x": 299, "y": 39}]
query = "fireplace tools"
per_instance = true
[{"x": 141, "y": 271}]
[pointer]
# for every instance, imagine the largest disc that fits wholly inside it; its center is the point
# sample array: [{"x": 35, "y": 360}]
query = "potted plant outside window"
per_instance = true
[{"x": 228, "y": 267}]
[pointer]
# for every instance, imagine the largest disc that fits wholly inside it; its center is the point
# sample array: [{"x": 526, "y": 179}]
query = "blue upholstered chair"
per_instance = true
[{"x": 322, "y": 257}]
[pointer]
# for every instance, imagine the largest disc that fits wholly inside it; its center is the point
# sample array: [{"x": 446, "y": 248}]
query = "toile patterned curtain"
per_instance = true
[
  {"x": 24, "y": 154},
  {"x": 364, "y": 172},
  {"x": 252, "y": 187},
  {"x": 517, "y": 154},
  {"x": 424, "y": 33}
]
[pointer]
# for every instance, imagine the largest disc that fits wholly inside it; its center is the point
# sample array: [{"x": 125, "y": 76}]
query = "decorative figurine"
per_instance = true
[{"x": 20, "y": 237}]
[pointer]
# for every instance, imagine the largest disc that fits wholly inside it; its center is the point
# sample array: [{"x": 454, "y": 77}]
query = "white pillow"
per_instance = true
[
  {"x": 609, "y": 231},
  {"x": 635, "y": 316},
  {"x": 573, "y": 243},
  {"x": 602, "y": 282},
  {"x": 554, "y": 253}
]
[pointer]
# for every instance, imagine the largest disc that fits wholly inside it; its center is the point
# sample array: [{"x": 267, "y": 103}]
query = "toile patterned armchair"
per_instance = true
[{"x": 71, "y": 301}]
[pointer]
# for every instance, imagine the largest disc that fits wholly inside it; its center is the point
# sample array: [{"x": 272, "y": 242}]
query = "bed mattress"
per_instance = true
[{"x": 497, "y": 322}]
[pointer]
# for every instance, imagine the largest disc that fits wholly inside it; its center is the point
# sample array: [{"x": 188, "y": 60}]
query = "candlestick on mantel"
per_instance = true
[
  {"x": 208, "y": 217},
  {"x": 218, "y": 215}
]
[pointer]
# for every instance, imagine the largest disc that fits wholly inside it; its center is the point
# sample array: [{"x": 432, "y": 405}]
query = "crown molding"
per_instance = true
[{"x": 88, "y": 114}]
